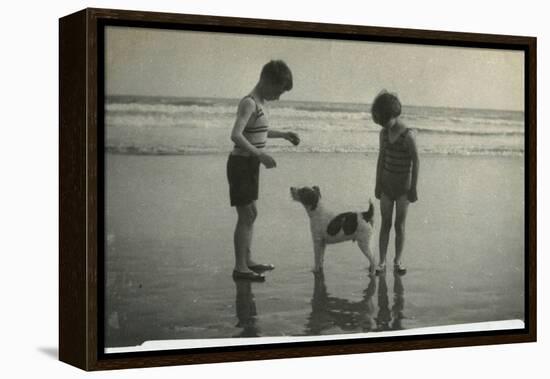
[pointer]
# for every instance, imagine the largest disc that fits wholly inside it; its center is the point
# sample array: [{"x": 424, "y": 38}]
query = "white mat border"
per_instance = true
[{"x": 222, "y": 342}]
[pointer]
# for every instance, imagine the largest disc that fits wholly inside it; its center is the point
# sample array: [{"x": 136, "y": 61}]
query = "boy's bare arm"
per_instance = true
[{"x": 289, "y": 136}]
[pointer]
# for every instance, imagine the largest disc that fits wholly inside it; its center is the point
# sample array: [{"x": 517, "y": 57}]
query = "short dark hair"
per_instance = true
[
  {"x": 277, "y": 72},
  {"x": 384, "y": 107}
]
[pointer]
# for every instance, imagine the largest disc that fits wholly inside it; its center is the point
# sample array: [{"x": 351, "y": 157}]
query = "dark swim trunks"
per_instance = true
[
  {"x": 243, "y": 175},
  {"x": 397, "y": 169}
]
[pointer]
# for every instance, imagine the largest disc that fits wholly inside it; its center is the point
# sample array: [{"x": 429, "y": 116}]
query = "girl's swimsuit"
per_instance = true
[{"x": 397, "y": 166}]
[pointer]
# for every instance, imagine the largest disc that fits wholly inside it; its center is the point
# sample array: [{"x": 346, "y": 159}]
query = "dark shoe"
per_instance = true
[
  {"x": 261, "y": 267},
  {"x": 252, "y": 276},
  {"x": 399, "y": 269},
  {"x": 380, "y": 269}
]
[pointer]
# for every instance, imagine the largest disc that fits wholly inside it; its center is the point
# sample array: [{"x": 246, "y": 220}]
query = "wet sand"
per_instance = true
[{"x": 169, "y": 249}]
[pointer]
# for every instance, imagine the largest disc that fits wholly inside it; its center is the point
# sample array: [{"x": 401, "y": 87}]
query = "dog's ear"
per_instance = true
[{"x": 317, "y": 191}]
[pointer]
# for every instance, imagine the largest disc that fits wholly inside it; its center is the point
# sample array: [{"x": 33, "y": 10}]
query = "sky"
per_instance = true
[{"x": 157, "y": 62}]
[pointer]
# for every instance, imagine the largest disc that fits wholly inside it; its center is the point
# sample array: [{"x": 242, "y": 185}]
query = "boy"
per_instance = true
[{"x": 250, "y": 133}]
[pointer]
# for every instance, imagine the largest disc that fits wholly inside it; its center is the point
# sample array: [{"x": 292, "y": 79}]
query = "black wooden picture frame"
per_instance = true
[{"x": 81, "y": 183}]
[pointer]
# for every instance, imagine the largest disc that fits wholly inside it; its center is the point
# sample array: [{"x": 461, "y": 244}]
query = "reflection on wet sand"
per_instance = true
[
  {"x": 330, "y": 313},
  {"x": 246, "y": 309},
  {"x": 390, "y": 319}
]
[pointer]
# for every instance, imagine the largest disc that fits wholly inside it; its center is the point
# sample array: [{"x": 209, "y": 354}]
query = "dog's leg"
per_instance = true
[
  {"x": 364, "y": 245},
  {"x": 319, "y": 252}
]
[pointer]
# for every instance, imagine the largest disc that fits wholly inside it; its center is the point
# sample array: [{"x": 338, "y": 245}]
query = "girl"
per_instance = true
[{"x": 396, "y": 174}]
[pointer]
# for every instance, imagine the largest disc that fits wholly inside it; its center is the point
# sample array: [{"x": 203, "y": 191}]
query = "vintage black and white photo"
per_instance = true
[{"x": 270, "y": 189}]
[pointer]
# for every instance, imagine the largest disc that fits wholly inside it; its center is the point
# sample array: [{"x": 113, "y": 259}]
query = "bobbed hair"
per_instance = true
[
  {"x": 277, "y": 72},
  {"x": 384, "y": 107}
]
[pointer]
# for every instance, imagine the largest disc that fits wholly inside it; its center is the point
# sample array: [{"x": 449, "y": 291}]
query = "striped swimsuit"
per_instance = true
[
  {"x": 397, "y": 166},
  {"x": 255, "y": 130}
]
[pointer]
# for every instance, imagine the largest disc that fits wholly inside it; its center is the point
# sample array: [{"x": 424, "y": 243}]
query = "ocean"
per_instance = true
[{"x": 175, "y": 126}]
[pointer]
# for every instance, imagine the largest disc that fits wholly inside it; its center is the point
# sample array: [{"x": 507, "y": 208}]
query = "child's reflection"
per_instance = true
[
  {"x": 331, "y": 314},
  {"x": 246, "y": 309},
  {"x": 390, "y": 319}
]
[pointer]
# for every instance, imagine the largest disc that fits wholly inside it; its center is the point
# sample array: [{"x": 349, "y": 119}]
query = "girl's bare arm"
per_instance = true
[
  {"x": 377, "y": 189},
  {"x": 413, "y": 150}
]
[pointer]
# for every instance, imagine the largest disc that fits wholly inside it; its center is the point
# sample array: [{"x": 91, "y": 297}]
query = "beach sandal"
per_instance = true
[
  {"x": 381, "y": 269},
  {"x": 259, "y": 268},
  {"x": 399, "y": 269},
  {"x": 251, "y": 276}
]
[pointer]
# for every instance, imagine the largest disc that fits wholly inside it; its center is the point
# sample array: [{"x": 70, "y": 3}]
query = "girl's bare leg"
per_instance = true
[
  {"x": 401, "y": 209},
  {"x": 386, "y": 211}
]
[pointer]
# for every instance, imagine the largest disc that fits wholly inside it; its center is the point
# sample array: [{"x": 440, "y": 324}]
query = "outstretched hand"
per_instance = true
[{"x": 293, "y": 138}]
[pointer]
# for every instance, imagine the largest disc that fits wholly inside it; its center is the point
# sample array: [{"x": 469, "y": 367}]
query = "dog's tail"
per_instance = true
[{"x": 368, "y": 216}]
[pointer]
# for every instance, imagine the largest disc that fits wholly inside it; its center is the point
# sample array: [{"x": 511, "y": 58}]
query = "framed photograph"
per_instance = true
[{"x": 242, "y": 189}]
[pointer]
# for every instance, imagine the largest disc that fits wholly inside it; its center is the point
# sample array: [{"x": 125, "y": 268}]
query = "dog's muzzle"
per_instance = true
[{"x": 294, "y": 193}]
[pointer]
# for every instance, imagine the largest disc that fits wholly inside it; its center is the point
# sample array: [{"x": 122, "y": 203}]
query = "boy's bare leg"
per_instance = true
[
  {"x": 243, "y": 235},
  {"x": 401, "y": 209},
  {"x": 249, "y": 260},
  {"x": 386, "y": 211}
]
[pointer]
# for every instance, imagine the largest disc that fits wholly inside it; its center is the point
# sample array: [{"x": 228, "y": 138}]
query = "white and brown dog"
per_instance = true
[{"x": 329, "y": 228}]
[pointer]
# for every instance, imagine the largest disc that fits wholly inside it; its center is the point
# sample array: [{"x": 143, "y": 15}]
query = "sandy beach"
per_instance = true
[{"x": 169, "y": 249}]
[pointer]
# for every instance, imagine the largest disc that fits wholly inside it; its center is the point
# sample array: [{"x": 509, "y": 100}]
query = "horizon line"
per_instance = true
[{"x": 313, "y": 101}]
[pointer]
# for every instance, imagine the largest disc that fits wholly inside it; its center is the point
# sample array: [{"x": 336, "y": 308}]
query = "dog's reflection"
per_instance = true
[
  {"x": 246, "y": 309},
  {"x": 336, "y": 314},
  {"x": 390, "y": 319},
  {"x": 330, "y": 312}
]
